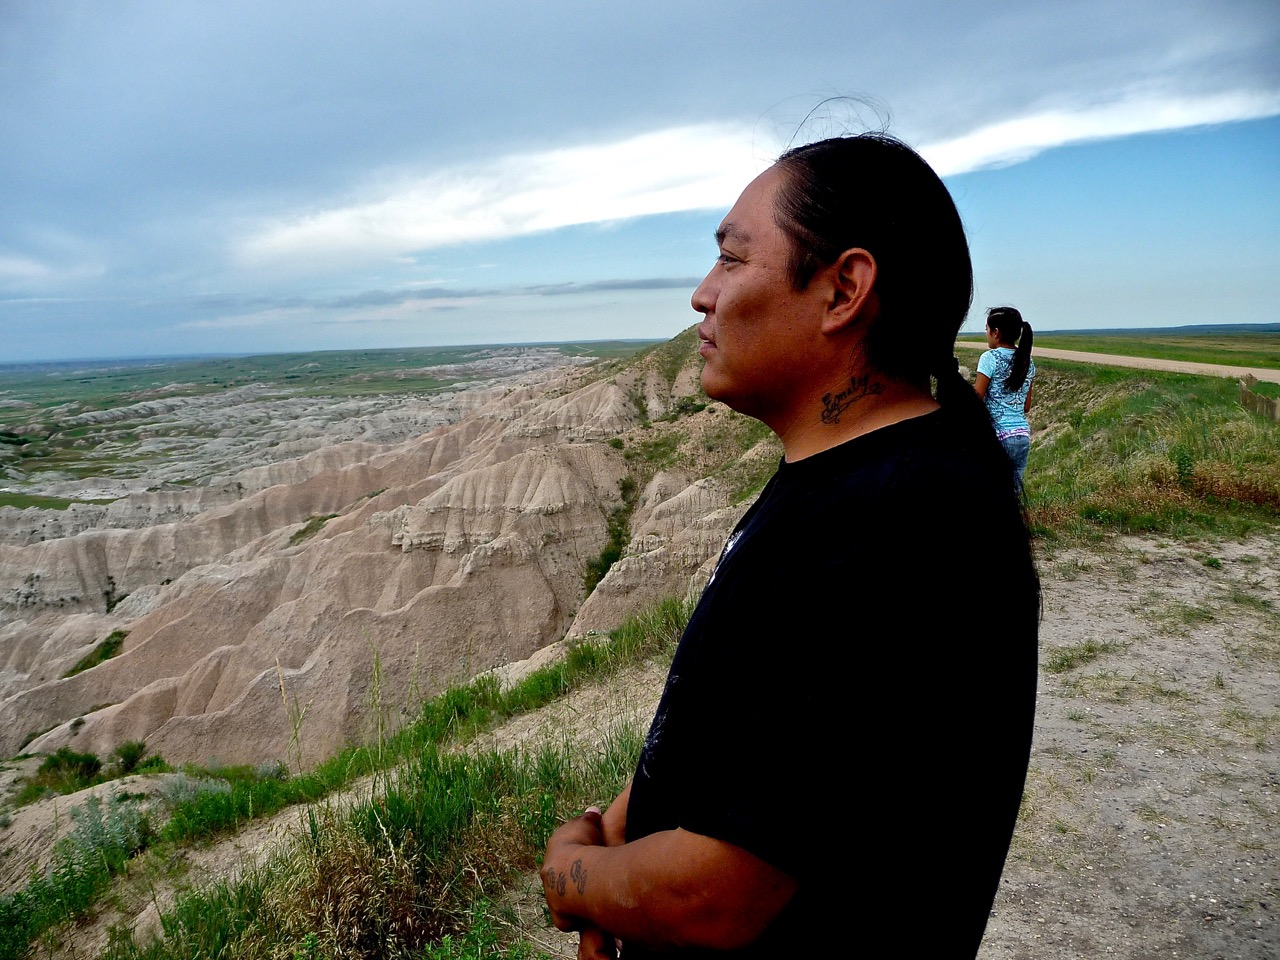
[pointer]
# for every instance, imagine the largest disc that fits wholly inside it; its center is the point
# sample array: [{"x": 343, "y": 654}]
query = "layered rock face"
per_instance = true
[{"x": 274, "y": 612}]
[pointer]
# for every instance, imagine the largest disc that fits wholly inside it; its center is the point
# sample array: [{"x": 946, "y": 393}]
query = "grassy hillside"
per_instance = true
[{"x": 1138, "y": 451}]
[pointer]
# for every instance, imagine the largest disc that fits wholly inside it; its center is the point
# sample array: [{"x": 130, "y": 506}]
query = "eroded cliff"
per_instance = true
[{"x": 299, "y": 595}]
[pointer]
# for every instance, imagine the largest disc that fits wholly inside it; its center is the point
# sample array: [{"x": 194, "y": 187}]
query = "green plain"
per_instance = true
[{"x": 1239, "y": 348}]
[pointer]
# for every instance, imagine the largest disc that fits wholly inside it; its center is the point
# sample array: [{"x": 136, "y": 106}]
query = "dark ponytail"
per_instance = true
[{"x": 1008, "y": 323}]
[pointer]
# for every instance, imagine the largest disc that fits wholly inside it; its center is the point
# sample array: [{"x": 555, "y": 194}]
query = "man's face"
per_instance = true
[{"x": 757, "y": 328}]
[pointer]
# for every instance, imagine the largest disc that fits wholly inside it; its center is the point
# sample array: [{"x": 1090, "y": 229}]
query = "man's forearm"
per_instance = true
[{"x": 670, "y": 889}]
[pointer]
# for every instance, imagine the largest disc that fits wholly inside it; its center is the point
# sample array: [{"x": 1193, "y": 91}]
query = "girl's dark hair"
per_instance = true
[
  {"x": 1012, "y": 329},
  {"x": 873, "y": 191}
]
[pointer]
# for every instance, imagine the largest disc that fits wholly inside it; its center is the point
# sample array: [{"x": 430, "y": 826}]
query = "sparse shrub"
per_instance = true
[
  {"x": 1183, "y": 464},
  {"x": 313, "y": 526},
  {"x": 686, "y": 406},
  {"x": 619, "y": 530},
  {"x": 105, "y": 650},
  {"x": 272, "y": 770},
  {"x": 1062, "y": 659},
  {"x": 111, "y": 597},
  {"x": 181, "y": 788},
  {"x": 66, "y": 762},
  {"x": 31, "y": 735},
  {"x": 129, "y": 755},
  {"x": 63, "y": 771},
  {"x": 641, "y": 403}
]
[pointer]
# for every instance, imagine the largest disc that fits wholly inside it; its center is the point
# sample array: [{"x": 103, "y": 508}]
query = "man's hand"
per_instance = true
[
  {"x": 673, "y": 888},
  {"x": 595, "y": 944},
  {"x": 563, "y": 872}
]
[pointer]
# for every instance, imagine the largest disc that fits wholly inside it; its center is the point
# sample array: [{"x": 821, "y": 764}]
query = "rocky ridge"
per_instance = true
[{"x": 295, "y": 592}]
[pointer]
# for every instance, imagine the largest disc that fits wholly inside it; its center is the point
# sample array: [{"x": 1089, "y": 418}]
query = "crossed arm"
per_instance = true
[{"x": 673, "y": 888}]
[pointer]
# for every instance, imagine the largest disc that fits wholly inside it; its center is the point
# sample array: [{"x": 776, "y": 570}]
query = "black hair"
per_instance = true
[
  {"x": 873, "y": 191},
  {"x": 1007, "y": 322}
]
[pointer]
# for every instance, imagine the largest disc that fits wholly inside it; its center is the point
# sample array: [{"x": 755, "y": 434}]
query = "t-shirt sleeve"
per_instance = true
[{"x": 987, "y": 364}]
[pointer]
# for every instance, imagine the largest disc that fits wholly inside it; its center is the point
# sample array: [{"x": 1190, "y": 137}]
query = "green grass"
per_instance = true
[
  {"x": 105, "y": 650},
  {"x": 309, "y": 529},
  {"x": 66, "y": 771},
  {"x": 24, "y": 500},
  {"x": 1234, "y": 348},
  {"x": 398, "y": 874},
  {"x": 1144, "y": 452},
  {"x": 1062, "y": 659}
]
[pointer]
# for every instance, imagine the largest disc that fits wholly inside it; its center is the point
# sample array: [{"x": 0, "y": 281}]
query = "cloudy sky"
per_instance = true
[{"x": 185, "y": 177}]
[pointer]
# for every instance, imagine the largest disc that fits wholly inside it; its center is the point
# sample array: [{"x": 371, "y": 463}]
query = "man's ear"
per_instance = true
[{"x": 853, "y": 280}]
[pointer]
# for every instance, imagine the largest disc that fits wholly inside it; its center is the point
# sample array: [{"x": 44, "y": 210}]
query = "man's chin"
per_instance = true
[{"x": 713, "y": 385}]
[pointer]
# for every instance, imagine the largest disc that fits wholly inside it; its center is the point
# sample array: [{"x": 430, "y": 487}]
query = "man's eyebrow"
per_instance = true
[{"x": 730, "y": 230}]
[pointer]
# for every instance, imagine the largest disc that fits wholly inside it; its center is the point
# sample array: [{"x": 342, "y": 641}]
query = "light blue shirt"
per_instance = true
[{"x": 1005, "y": 406}]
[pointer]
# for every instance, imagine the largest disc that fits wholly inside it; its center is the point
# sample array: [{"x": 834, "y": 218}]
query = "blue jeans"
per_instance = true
[{"x": 1017, "y": 448}]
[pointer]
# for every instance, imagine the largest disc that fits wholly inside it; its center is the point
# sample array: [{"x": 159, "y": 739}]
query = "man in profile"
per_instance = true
[{"x": 842, "y": 741}]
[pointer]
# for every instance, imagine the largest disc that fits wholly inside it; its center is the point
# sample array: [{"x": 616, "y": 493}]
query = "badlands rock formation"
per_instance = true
[{"x": 310, "y": 591}]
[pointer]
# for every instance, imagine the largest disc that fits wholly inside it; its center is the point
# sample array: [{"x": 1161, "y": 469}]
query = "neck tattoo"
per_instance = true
[{"x": 835, "y": 404}]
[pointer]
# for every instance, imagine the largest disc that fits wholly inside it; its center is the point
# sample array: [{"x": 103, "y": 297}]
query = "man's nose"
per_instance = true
[{"x": 703, "y": 299}]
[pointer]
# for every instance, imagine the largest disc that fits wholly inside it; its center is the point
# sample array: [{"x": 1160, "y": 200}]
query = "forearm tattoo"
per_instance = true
[
  {"x": 834, "y": 404},
  {"x": 577, "y": 873}
]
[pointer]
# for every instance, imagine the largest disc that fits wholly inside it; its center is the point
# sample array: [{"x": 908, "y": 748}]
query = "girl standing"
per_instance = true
[{"x": 1005, "y": 372}]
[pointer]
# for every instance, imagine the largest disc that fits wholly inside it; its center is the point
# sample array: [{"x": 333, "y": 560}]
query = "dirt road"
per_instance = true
[{"x": 1145, "y": 363}]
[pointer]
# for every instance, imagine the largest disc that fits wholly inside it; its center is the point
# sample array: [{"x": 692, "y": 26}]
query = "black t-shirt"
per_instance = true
[{"x": 871, "y": 623}]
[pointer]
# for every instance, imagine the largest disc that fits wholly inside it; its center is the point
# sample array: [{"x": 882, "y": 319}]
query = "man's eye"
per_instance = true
[{"x": 727, "y": 258}]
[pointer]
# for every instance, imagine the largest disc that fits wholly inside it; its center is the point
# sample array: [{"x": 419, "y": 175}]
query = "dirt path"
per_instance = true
[{"x": 1145, "y": 363}]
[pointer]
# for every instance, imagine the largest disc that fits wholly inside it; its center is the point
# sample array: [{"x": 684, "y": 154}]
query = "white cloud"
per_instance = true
[
  {"x": 23, "y": 269},
  {"x": 1019, "y": 139},
  {"x": 682, "y": 168},
  {"x": 293, "y": 317},
  {"x": 27, "y": 274},
  {"x": 273, "y": 317}
]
